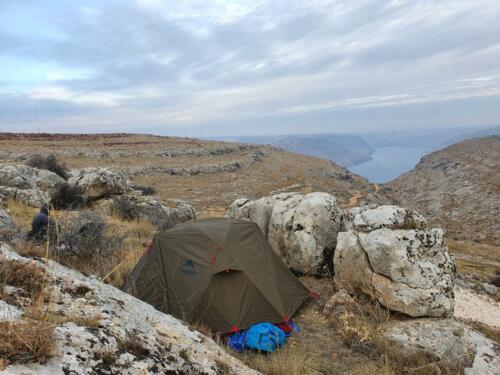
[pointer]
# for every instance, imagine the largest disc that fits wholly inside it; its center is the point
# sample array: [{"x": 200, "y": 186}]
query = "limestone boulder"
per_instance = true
[
  {"x": 130, "y": 336},
  {"x": 163, "y": 214},
  {"x": 447, "y": 339},
  {"x": 8, "y": 228},
  {"x": 406, "y": 270},
  {"x": 21, "y": 176},
  {"x": 28, "y": 185},
  {"x": 368, "y": 218},
  {"x": 97, "y": 183},
  {"x": 302, "y": 229}
]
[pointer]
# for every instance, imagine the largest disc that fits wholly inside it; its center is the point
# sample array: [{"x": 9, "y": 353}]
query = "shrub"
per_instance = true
[
  {"x": 49, "y": 163},
  {"x": 67, "y": 197},
  {"x": 146, "y": 190},
  {"x": 87, "y": 244},
  {"x": 125, "y": 209},
  {"x": 85, "y": 237}
]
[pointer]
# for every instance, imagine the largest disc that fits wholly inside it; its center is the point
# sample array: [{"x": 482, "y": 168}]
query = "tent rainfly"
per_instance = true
[{"x": 220, "y": 273}]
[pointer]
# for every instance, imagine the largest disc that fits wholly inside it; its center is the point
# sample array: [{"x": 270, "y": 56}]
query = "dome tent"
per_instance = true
[{"x": 220, "y": 273}]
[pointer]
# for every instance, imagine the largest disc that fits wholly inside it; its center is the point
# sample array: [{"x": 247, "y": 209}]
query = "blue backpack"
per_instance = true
[{"x": 265, "y": 337}]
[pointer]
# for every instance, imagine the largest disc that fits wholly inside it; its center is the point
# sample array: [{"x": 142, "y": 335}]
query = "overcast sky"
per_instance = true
[{"x": 205, "y": 67}]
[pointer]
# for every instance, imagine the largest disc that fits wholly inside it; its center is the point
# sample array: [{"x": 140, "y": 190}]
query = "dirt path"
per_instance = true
[{"x": 354, "y": 200}]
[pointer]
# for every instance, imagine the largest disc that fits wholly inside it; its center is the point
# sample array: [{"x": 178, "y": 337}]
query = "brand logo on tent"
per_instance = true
[{"x": 188, "y": 268}]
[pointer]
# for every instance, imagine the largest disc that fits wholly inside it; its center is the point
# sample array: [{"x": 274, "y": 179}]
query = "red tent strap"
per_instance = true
[
  {"x": 213, "y": 258},
  {"x": 148, "y": 248},
  {"x": 314, "y": 294},
  {"x": 286, "y": 319},
  {"x": 234, "y": 329}
]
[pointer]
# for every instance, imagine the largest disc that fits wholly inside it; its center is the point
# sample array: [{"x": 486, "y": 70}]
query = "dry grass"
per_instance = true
[
  {"x": 23, "y": 342},
  {"x": 133, "y": 345},
  {"x": 21, "y": 214},
  {"x": 480, "y": 259},
  {"x": 26, "y": 276},
  {"x": 30, "y": 249},
  {"x": 281, "y": 363}
]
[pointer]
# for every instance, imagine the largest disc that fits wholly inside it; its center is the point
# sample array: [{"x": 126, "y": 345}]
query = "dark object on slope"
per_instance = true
[
  {"x": 146, "y": 190},
  {"x": 496, "y": 281},
  {"x": 67, "y": 197},
  {"x": 219, "y": 273},
  {"x": 39, "y": 224},
  {"x": 49, "y": 163}
]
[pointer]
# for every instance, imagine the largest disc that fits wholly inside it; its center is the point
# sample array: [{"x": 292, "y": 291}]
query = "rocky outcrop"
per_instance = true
[
  {"x": 8, "y": 228},
  {"x": 97, "y": 183},
  {"x": 458, "y": 188},
  {"x": 447, "y": 339},
  {"x": 302, "y": 229},
  {"x": 199, "y": 169},
  {"x": 28, "y": 185},
  {"x": 162, "y": 214},
  {"x": 128, "y": 336},
  {"x": 387, "y": 254}
]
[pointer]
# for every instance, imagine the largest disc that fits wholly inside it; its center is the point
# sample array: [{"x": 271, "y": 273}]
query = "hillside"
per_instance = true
[
  {"x": 209, "y": 174},
  {"x": 343, "y": 149},
  {"x": 458, "y": 188}
]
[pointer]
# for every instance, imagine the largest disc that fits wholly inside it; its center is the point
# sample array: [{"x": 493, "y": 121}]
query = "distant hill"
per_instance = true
[
  {"x": 343, "y": 149},
  {"x": 458, "y": 188},
  {"x": 209, "y": 174}
]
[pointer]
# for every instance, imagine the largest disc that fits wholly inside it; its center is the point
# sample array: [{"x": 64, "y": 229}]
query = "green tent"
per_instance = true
[{"x": 220, "y": 273}]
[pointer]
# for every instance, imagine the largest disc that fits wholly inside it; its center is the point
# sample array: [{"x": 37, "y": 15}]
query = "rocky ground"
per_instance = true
[
  {"x": 390, "y": 298},
  {"x": 208, "y": 174}
]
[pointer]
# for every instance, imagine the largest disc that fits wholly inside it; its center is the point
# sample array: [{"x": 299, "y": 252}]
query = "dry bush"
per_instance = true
[
  {"x": 132, "y": 344},
  {"x": 49, "y": 163},
  {"x": 67, "y": 197},
  {"x": 24, "y": 342},
  {"x": 125, "y": 209},
  {"x": 26, "y": 276}
]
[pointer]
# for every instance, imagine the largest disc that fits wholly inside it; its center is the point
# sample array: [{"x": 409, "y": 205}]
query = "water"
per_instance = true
[{"x": 389, "y": 162}]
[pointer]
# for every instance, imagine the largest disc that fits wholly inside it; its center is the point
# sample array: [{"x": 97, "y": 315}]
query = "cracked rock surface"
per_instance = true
[
  {"x": 407, "y": 270},
  {"x": 163, "y": 344},
  {"x": 302, "y": 229}
]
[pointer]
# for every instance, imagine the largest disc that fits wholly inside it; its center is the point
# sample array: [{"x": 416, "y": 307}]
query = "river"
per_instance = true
[{"x": 387, "y": 163}]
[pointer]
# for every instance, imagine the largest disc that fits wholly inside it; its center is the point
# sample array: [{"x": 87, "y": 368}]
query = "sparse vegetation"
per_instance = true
[
  {"x": 125, "y": 209},
  {"x": 67, "y": 197},
  {"x": 49, "y": 163},
  {"x": 25, "y": 341},
  {"x": 26, "y": 276},
  {"x": 132, "y": 344}
]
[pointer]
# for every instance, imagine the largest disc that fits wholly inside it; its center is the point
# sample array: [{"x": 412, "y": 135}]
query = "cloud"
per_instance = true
[{"x": 188, "y": 65}]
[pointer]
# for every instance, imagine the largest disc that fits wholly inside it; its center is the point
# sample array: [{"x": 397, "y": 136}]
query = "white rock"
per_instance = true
[
  {"x": 369, "y": 218},
  {"x": 22, "y": 177},
  {"x": 168, "y": 344},
  {"x": 9, "y": 312},
  {"x": 407, "y": 270},
  {"x": 98, "y": 183},
  {"x": 448, "y": 338},
  {"x": 301, "y": 229}
]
